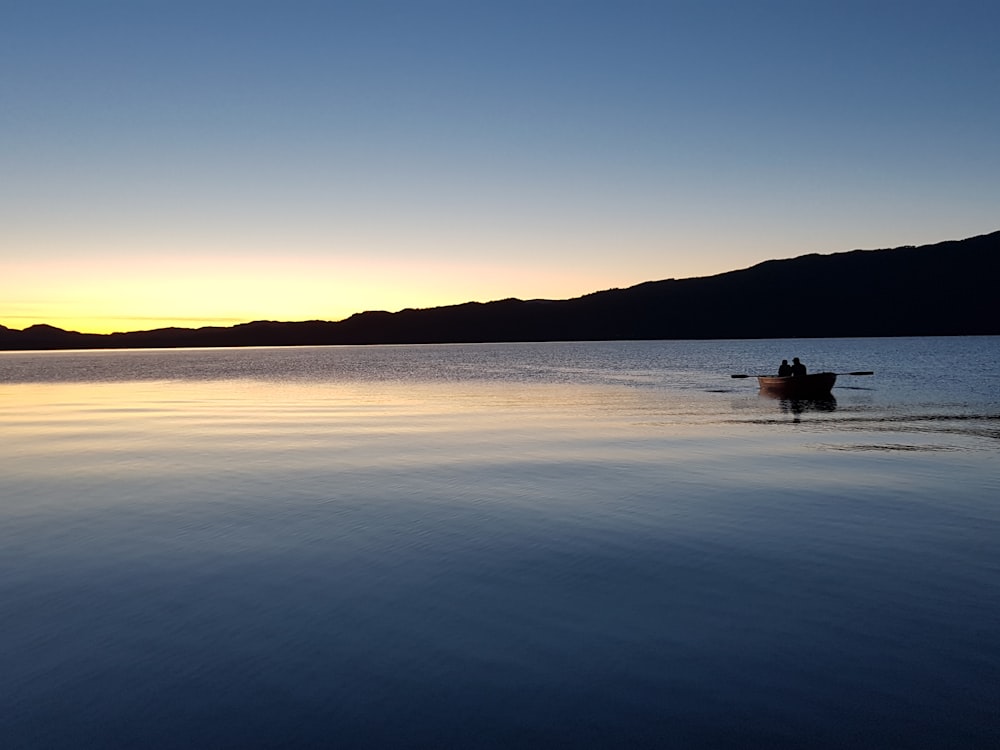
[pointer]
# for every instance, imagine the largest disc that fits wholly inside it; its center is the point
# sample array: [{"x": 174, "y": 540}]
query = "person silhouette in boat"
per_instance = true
[
  {"x": 798, "y": 369},
  {"x": 785, "y": 369}
]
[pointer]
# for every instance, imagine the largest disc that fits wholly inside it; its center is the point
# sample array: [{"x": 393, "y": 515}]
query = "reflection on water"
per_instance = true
[
  {"x": 549, "y": 545},
  {"x": 798, "y": 406}
]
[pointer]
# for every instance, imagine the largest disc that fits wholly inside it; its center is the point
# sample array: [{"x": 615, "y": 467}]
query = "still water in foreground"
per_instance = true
[{"x": 538, "y": 545}]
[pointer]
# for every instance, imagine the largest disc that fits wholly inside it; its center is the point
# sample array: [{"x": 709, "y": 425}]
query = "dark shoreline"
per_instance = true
[{"x": 945, "y": 289}]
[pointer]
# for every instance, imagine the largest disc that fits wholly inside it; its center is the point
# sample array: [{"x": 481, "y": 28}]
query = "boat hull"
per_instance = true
[{"x": 817, "y": 385}]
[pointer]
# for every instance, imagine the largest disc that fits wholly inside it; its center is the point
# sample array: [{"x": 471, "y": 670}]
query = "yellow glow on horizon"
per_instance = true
[{"x": 128, "y": 294}]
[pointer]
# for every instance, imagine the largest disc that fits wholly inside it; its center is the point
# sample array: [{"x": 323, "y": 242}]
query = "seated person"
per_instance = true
[
  {"x": 785, "y": 369},
  {"x": 798, "y": 369}
]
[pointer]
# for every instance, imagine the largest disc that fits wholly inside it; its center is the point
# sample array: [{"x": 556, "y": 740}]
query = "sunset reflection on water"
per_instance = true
[{"x": 488, "y": 539}]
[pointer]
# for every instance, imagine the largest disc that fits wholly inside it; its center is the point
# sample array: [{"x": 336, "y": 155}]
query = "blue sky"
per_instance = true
[{"x": 213, "y": 162}]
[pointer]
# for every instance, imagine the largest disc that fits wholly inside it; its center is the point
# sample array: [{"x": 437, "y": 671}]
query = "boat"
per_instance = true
[{"x": 817, "y": 385}]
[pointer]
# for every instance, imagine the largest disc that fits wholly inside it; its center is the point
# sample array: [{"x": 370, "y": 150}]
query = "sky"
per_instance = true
[{"x": 168, "y": 162}]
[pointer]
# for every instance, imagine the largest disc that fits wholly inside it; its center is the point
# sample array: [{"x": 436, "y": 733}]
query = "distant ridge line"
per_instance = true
[{"x": 943, "y": 289}]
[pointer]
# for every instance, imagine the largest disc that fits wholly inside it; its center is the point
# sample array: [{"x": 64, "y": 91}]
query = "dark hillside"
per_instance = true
[{"x": 949, "y": 288}]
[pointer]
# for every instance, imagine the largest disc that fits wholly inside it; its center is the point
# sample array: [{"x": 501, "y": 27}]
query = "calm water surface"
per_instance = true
[{"x": 520, "y": 545}]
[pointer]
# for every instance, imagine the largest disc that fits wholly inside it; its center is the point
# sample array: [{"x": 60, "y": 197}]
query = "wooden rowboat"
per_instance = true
[{"x": 817, "y": 385}]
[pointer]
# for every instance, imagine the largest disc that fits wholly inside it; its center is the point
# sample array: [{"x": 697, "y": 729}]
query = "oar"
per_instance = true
[{"x": 862, "y": 372}]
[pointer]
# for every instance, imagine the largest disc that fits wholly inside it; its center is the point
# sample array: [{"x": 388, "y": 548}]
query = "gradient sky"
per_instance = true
[{"x": 165, "y": 162}]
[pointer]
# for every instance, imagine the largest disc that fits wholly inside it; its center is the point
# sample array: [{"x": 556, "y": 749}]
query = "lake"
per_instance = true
[{"x": 601, "y": 544}]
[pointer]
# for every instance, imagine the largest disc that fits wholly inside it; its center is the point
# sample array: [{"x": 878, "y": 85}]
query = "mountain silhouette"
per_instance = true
[{"x": 948, "y": 288}]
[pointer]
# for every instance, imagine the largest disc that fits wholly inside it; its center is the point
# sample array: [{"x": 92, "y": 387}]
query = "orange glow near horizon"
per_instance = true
[
  {"x": 81, "y": 286},
  {"x": 130, "y": 294}
]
